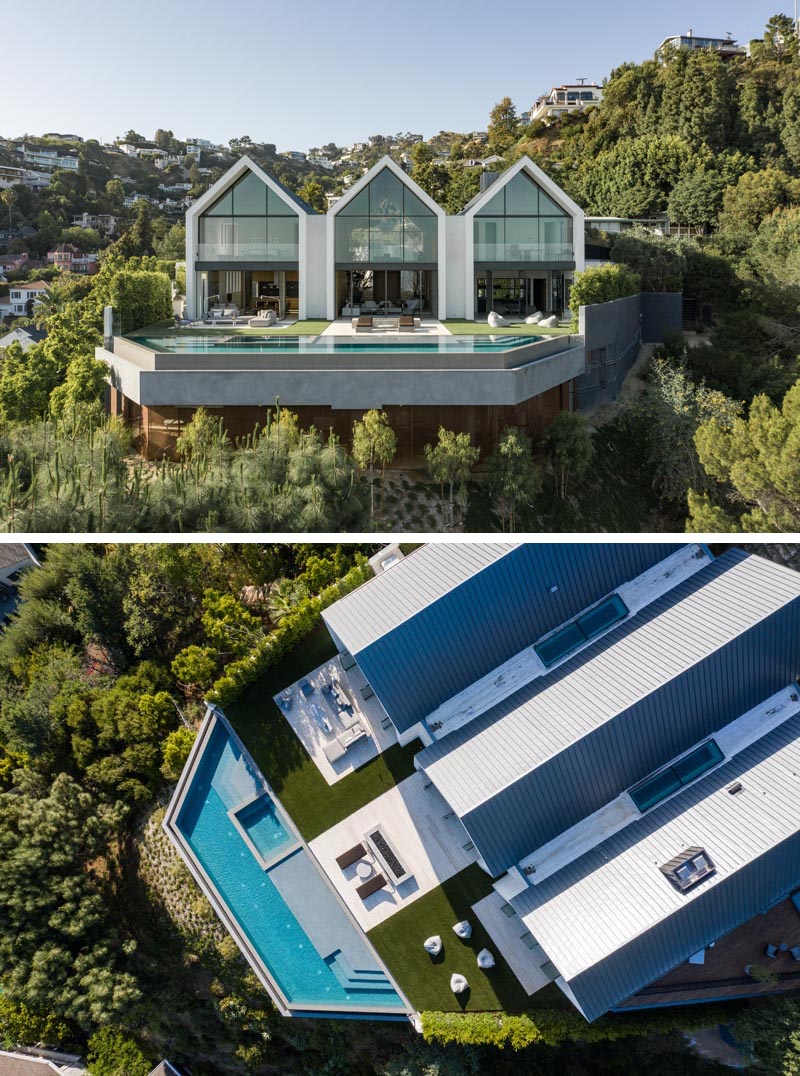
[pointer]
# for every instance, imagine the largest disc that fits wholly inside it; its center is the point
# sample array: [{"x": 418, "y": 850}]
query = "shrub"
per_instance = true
[
  {"x": 112, "y": 1053},
  {"x": 294, "y": 626},
  {"x": 602, "y": 284},
  {"x": 176, "y": 751},
  {"x": 140, "y": 298}
]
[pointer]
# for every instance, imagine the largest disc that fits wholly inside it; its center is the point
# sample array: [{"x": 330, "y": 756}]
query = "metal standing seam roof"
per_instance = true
[
  {"x": 612, "y": 923},
  {"x": 428, "y": 634},
  {"x": 399, "y": 593},
  {"x": 552, "y": 753}
]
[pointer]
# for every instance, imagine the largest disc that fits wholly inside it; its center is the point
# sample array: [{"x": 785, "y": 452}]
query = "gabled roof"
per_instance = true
[
  {"x": 524, "y": 164},
  {"x": 235, "y": 172},
  {"x": 165, "y": 1068},
  {"x": 449, "y": 614},
  {"x": 612, "y": 923},
  {"x": 395, "y": 169},
  {"x": 569, "y": 743}
]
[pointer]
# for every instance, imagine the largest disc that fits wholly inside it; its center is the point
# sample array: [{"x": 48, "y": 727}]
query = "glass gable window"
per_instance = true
[
  {"x": 386, "y": 224},
  {"x": 680, "y": 773},
  {"x": 581, "y": 630},
  {"x": 522, "y": 224},
  {"x": 249, "y": 223}
]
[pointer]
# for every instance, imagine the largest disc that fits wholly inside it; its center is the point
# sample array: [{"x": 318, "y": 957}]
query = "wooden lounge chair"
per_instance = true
[
  {"x": 351, "y": 856},
  {"x": 372, "y": 886},
  {"x": 363, "y": 324},
  {"x": 405, "y": 323}
]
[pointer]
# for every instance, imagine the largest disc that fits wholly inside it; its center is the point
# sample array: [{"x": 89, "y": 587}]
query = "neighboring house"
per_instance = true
[
  {"x": 25, "y": 337},
  {"x": 322, "y": 162},
  {"x": 62, "y": 137},
  {"x": 47, "y": 158},
  {"x": 571, "y": 97},
  {"x": 165, "y": 1068},
  {"x": 40, "y": 1063},
  {"x": 69, "y": 259},
  {"x": 23, "y": 297},
  {"x": 14, "y": 558},
  {"x": 610, "y": 732},
  {"x": 293, "y": 155},
  {"x": 10, "y": 262},
  {"x": 23, "y": 177},
  {"x": 104, "y": 223},
  {"x": 725, "y": 46}
]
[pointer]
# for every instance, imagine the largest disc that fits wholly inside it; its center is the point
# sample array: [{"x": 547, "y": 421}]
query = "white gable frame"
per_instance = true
[
  {"x": 524, "y": 164},
  {"x": 224, "y": 183},
  {"x": 355, "y": 190}
]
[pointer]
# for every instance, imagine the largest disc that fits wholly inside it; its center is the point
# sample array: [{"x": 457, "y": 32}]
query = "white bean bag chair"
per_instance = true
[
  {"x": 485, "y": 959},
  {"x": 549, "y": 323},
  {"x": 534, "y": 319},
  {"x": 433, "y": 945},
  {"x": 463, "y": 929},
  {"x": 458, "y": 984},
  {"x": 497, "y": 321}
]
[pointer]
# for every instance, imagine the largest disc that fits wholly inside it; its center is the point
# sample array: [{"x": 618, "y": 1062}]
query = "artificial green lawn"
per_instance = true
[
  {"x": 425, "y": 980},
  {"x": 313, "y": 804},
  {"x": 480, "y": 328}
]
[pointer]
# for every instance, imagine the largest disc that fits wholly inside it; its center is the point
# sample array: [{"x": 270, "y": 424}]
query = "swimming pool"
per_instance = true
[
  {"x": 297, "y": 933},
  {"x": 213, "y": 343}
]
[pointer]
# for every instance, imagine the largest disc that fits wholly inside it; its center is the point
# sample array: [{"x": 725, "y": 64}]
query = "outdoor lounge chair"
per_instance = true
[
  {"x": 771, "y": 951},
  {"x": 795, "y": 899},
  {"x": 363, "y": 324},
  {"x": 795, "y": 951},
  {"x": 351, "y": 856},
  {"x": 405, "y": 323},
  {"x": 366, "y": 889}
]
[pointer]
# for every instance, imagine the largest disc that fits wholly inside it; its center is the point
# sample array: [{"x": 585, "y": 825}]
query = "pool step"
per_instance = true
[{"x": 357, "y": 978}]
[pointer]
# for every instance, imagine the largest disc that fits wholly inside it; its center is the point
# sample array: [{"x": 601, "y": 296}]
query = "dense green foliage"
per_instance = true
[{"x": 602, "y": 284}]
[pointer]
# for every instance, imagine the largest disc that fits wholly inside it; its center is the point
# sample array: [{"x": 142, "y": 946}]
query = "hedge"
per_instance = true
[
  {"x": 551, "y": 1027},
  {"x": 140, "y": 298},
  {"x": 602, "y": 284},
  {"x": 240, "y": 674}
]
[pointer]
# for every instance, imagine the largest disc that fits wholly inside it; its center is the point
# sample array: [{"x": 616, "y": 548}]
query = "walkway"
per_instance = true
[{"x": 507, "y": 932}]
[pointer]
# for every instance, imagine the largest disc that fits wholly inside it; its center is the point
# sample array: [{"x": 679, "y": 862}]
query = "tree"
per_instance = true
[
  {"x": 164, "y": 139},
  {"x": 696, "y": 199},
  {"x": 374, "y": 441},
  {"x": 449, "y": 462},
  {"x": 228, "y": 625},
  {"x": 313, "y": 193},
  {"x": 194, "y": 666},
  {"x": 657, "y": 262},
  {"x": 84, "y": 385},
  {"x": 503, "y": 129},
  {"x": 754, "y": 197},
  {"x": 172, "y": 246},
  {"x": 177, "y": 746},
  {"x": 568, "y": 447},
  {"x": 9, "y": 198},
  {"x": 113, "y": 1053},
  {"x": 430, "y": 173},
  {"x": 758, "y": 458},
  {"x": 26, "y": 381},
  {"x": 514, "y": 478},
  {"x": 115, "y": 192}
]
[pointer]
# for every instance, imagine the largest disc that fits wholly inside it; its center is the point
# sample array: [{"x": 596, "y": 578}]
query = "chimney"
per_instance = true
[{"x": 487, "y": 179}]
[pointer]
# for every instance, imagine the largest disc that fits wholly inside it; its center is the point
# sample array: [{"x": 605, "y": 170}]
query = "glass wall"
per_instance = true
[
  {"x": 522, "y": 224},
  {"x": 386, "y": 223},
  {"x": 249, "y": 223}
]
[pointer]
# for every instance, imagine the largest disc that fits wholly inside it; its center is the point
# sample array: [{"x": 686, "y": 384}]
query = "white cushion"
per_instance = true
[
  {"x": 433, "y": 945},
  {"x": 497, "y": 321},
  {"x": 463, "y": 929},
  {"x": 458, "y": 984},
  {"x": 549, "y": 323},
  {"x": 485, "y": 959},
  {"x": 534, "y": 319}
]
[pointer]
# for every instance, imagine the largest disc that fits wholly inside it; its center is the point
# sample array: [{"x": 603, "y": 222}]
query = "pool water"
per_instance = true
[
  {"x": 309, "y": 975},
  {"x": 338, "y": 345},
  {"x": 264, "y": 827}
]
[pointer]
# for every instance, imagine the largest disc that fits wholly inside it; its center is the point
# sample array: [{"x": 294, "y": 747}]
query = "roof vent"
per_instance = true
[
  {"x": 736, "y": 788},
  {"x": 487, "y": 179},
  {"x": 688, "y": 868}
]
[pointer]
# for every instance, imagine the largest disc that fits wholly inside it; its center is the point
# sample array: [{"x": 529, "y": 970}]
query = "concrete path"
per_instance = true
[{"x": 344, "y": 327}]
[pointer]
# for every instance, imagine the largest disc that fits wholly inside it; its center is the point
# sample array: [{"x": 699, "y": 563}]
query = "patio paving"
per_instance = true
[
  {"x": 506, "y": 933},
  {"x": 427, "y": 837},
  {"x": 308, "y": 716}
]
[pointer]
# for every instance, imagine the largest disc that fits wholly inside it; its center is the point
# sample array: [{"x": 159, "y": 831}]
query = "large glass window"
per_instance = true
[
  {"x": 680, "y": 773},
  {"x": 249, "y": 223},
  {"x": 522, "y": 224},
  {"x": 386, "y": 223}
]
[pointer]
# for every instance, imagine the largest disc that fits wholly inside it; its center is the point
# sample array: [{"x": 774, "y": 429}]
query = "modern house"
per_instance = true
[
  {"x": 23, "y": 177},
  {"x": 562, "y": 100},
  {"x": 49, "y": 159},
  {"x": 22, "y": 298},
  {"x": 609, "y": 734},
  {"x": 725, "y": 46}
]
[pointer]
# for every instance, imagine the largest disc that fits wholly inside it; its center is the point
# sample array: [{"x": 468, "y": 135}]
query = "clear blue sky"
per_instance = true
[{"x": 300, "y": 73}]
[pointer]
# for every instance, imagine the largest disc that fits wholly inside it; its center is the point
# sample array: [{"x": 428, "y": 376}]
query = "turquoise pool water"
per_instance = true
[
  {"x": 292, "y": 921},
  {"x": 221, "y": 343},
  {"x": 262, "y": 824}
]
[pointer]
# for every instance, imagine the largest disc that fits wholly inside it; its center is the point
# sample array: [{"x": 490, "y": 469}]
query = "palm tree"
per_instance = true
[{"x": 9, "y": 197}]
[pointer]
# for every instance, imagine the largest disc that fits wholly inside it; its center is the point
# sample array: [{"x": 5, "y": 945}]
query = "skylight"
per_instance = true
[
  {"x": 660, "y": 785},
  {"x": 581, "y": 630},
  {"x": 688, "y": 868}
]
